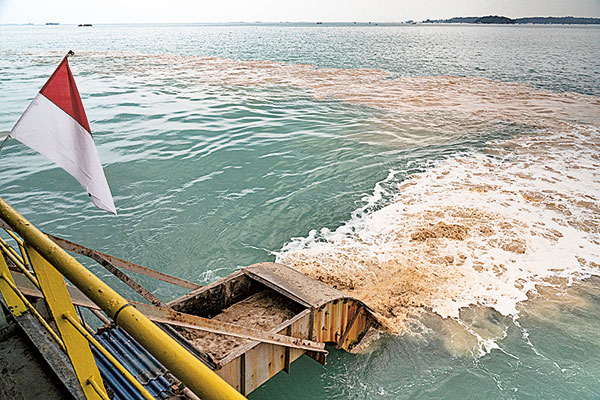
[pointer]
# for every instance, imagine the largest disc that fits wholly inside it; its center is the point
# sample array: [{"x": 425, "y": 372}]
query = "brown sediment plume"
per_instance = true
[
  {"x": 405, "y": 271},
  {"x": 472, "y": 231},
  {"x": 440, "y": 230},
  {"x": 450, "y": 101}
]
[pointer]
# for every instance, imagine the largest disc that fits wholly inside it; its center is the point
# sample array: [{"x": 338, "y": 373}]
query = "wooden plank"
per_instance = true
[
  {"x": 257, "y": 356},
  {"x": 171, "y": 317},
  {"x": 243, "y": 349},
  {"x": 300, "y": 328},
  {"x": 231, "y": 374},
  {"x": 262, "y": 362}
]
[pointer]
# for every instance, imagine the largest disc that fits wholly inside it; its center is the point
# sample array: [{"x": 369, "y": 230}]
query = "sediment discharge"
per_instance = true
[{"x": 482, "y": 229}]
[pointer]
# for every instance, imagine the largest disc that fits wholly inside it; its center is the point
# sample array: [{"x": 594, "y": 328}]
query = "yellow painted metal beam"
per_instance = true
[
  {"x": 32, "y": 309},
  {"x": 97, "y": 388},
  {"x": 180, "y": 362},
  {"x": 13, "y": 301},
  {"x": 59, "y": 303}
]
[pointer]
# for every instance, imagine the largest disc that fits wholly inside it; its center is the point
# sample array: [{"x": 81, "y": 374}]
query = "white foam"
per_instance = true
[{"x": 531, "y": 214}]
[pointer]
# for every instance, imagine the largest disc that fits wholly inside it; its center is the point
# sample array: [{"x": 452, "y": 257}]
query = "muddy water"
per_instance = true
[{"x": 480, "y": 229}]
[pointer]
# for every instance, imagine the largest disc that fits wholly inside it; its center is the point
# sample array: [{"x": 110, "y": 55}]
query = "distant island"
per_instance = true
[{"x": 497, "y": 19}]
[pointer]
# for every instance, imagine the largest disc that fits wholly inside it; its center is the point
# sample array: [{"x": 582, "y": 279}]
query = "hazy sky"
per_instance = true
[{"x": 109, "y": 11}]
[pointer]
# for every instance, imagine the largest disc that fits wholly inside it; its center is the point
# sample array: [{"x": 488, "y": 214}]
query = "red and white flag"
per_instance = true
[{"x": 56, "y": 126}]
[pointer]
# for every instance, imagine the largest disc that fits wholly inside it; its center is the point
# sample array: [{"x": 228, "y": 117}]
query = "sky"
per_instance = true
[{"x": 189, "y": 11}]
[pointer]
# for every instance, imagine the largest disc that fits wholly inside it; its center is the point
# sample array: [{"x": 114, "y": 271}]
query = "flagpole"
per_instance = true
[
  {"x": 5, "y": 140},
  {"x": 69, "y": 53}
]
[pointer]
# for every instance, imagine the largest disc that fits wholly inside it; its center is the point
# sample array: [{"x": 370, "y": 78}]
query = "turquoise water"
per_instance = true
[{"x": 215, "y": 163}]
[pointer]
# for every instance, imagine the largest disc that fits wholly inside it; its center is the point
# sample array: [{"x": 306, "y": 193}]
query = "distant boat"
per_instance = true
[
  {"x": 52, "y": 23},
  {"x": 84, "y": 25},
  {"x": 319, "y": 23}
]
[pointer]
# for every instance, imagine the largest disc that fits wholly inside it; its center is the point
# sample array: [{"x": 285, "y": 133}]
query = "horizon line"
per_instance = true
[{"x": 290, "y": 22}]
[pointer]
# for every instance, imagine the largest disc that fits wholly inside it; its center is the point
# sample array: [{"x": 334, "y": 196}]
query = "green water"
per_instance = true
[{"x": 210, "y": 176}]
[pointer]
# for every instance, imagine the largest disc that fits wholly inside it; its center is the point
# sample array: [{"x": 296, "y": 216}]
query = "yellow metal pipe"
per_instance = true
[
  {"x": 145, "y": 394},
  {"x": 10, "y": 250},
  {"x": 20, "y": 244},
  {"x": 24, "y": 255},
  {"x": 15, "y": 260},
  {"x": 34, "y": 311},
  {"x": 184, "y": 365},
  {"x": 90, "y": 381},
  {"x": 14, "y": 236}
]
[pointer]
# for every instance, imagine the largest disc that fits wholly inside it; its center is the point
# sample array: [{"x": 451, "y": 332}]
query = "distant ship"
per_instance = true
[
  {"x": 52, "y": 23},
  {"x": 84, "y": 25}
]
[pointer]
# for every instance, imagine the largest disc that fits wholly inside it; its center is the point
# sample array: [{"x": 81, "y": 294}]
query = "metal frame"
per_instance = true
[
  {"x": 61, "y": 308},
  {"x": 182, "y": 364}
]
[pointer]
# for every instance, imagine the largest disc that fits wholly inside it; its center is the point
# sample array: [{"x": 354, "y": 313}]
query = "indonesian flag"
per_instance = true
[{"x": 56, "y": 126}]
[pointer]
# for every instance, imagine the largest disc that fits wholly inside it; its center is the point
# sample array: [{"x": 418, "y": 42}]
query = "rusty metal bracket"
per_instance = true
[
  {"x": 349, "y": 327},
  {"x": 170, "y": 317},
  {"x": 286, "y": 367},
  {"x": 91, "y": 253},
  {"x": 142, "y": 291}
]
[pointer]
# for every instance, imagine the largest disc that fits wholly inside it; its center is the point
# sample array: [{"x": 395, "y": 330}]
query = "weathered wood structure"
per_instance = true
[{"x": 320, "y": 313}]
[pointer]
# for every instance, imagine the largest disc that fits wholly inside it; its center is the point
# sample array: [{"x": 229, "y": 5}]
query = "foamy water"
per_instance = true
[
  {"x": 477, "y": 230},
  {"x": 484, "y": 229}
]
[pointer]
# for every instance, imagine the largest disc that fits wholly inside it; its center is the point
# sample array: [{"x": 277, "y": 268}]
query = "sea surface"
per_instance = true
[{"x": 447, "y": 175}]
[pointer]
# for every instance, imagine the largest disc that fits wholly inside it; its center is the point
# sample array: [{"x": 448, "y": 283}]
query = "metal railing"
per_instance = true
[{"x": 46, "y": 265}]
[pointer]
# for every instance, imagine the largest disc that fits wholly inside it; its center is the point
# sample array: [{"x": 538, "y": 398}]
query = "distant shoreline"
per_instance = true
[{"x": 497, "y": 19}]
